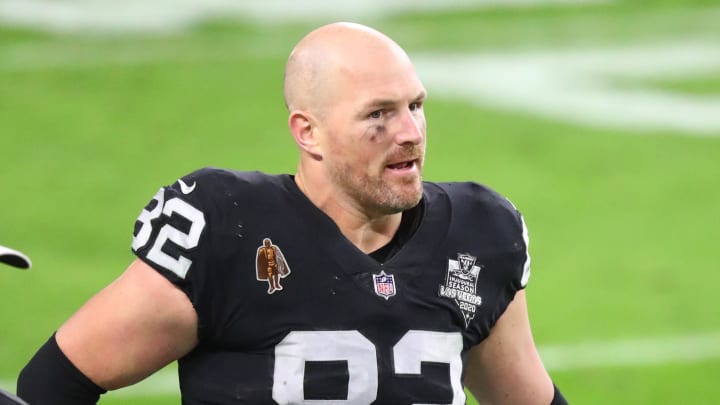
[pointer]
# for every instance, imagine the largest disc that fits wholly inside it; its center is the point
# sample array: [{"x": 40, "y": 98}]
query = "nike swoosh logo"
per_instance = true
[{"x": 185, "y": 188}]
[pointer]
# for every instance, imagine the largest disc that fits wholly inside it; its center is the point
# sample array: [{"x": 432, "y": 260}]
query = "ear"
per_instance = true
[{"x": 303, "y": 128}]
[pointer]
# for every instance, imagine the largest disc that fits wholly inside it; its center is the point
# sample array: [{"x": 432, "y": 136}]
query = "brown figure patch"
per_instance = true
[{"x": 270, "y": 265}]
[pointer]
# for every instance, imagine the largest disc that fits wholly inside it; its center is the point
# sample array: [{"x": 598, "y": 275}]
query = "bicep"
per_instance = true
[
  {"x": 506, "y": 368},
  {"x": 130, "y": 329}
]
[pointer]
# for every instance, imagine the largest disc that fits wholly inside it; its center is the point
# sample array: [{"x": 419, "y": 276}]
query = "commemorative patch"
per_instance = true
[
  {"x": 270, "y": 265},
  {"x": 384, "y": 284},
  {"x": 461, "y": 285}
]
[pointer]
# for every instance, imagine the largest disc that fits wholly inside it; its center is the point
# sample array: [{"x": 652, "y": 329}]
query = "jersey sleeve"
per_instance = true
[
  {"x": 488, "y": 228},
  {"x": 512, "y": 233},
  {"x": 196, "y": 233},
  {"x": 518, "y": 234},
  {"x": 495, "y": 219},
  {"x": 508, "y": 228},
  {"x": 525, "y": 275},
  {"x": 171, "y": 233}
]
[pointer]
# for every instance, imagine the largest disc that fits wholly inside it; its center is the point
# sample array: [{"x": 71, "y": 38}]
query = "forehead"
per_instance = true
[
  {"x": 389, "y": 78},
  {"x": 383, "y": 69}
]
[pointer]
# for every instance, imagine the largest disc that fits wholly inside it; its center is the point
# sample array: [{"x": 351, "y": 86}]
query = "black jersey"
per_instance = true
[{"x": 291, "y": 312}]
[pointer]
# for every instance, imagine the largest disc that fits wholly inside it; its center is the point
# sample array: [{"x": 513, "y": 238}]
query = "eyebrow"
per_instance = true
[{"x": 383, "y": 103}]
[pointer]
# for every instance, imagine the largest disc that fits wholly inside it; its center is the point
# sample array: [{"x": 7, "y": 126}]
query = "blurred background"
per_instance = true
[{"x": 600, "y": 120}]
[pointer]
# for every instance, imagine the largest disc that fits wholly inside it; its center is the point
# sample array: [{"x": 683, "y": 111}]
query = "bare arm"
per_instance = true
[
  {"x": 130, "y": 329},
  {"x": 505, "y": 368}
]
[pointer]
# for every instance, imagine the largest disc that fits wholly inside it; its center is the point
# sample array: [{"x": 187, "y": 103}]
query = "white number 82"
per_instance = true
[
  {"x": 415, "y": 347},
  {"x": 189, "y": 240}
]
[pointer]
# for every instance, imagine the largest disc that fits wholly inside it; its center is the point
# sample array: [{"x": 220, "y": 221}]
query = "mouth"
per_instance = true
[{"x": 403, "y": 166}]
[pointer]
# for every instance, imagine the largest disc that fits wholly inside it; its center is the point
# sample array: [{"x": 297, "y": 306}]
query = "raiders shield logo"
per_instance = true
[{"x": 461, "y": 285}]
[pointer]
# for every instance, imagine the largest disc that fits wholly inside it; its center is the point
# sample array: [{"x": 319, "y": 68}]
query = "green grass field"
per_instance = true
[{"x": 623, "y": 222}]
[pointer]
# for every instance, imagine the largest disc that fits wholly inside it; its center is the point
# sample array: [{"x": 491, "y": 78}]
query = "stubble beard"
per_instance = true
[{"x": 377, "y": 195}]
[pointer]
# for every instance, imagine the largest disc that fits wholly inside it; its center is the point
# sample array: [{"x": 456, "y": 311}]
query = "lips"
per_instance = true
[
  {"x": 401, "y": 165},
  {"x": 405, "y": 161}
]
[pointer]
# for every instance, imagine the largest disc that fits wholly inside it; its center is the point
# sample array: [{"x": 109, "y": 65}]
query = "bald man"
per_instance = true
[{"x": 402, "y": 291}]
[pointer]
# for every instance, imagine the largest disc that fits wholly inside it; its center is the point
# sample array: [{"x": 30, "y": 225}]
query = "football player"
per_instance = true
[{"x": 401, "y": 291}]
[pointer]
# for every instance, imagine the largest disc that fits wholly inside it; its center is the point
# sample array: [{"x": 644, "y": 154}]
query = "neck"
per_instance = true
[{"x": 366, "y": 231}]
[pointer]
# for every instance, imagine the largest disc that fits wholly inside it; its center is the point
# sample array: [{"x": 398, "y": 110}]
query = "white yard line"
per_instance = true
[
  {"x": 573, "y": 85},
  {"x": 577, "y": 86},
  {"x": 632, "y": 352},
  {"x": 657, "y": 351},
  {"x": 581, "y": 85}
]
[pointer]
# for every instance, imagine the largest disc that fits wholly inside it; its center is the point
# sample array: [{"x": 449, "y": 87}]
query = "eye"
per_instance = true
[
  {"x": 376, "y": 114},
  {"x": 415, "y": 106}
]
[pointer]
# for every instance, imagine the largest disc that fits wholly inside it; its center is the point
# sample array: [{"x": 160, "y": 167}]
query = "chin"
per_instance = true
[{"x": 404, "y": 202}]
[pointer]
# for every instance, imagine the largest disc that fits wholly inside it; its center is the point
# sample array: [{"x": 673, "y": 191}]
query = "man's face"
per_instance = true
[{"x": 375, "y": 136}]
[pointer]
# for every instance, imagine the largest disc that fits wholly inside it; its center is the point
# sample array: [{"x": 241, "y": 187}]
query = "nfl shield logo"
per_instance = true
[{"x": 384, "y": 284}]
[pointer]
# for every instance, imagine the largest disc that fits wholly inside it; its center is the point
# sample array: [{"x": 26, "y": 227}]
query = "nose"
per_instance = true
[{"x": 411, "y": 127}]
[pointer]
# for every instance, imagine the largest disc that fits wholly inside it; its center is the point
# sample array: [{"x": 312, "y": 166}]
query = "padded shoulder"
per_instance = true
[{"x": 488, "y": 214}]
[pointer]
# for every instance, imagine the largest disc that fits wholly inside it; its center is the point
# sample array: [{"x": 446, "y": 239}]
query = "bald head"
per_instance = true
[{"x": 332, "y": 52}]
